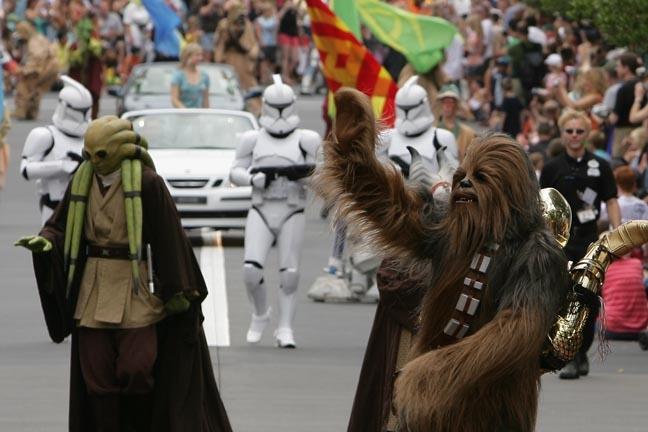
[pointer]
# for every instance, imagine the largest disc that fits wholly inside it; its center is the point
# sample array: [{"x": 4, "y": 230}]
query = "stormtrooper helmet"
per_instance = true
[
  {"x": 72, "y": 114},
  {"x": 413, "y": 113},
  {"x": 278, "y": 116}
]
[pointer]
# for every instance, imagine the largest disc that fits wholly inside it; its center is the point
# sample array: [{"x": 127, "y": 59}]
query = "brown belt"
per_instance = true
[{"x": 110, "y": 252}]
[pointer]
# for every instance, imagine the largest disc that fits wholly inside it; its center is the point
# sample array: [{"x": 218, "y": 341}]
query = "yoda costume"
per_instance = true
[{"x": 139, "y": 359}]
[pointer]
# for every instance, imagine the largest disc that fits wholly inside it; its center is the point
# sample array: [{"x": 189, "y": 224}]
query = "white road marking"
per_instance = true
[{"x": 216, "y": 325}]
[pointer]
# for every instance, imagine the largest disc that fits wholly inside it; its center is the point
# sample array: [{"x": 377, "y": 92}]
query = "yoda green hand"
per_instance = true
[
  {"x": 177, "y": 304},
  {"x": 36, "y": 244}
]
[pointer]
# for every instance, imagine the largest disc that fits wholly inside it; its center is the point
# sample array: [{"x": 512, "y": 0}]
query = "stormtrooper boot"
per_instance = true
[
  {"x": 285, "y": 337},
  {"x": 284, "y": 333},
  {"x": 257, "y": 326}
]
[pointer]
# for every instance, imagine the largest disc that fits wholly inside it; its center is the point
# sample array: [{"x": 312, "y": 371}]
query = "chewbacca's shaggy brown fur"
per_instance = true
[{"x": 489, "y": 380}]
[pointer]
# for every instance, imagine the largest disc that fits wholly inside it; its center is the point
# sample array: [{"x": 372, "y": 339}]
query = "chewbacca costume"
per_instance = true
[
  {"x": 493, "y": 279},
  {"x": 39, "y": 69},
  {"x": 237, "y": 46}
]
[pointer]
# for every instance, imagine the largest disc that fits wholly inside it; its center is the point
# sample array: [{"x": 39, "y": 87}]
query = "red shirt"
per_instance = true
[{"x": 624, "y": 295}]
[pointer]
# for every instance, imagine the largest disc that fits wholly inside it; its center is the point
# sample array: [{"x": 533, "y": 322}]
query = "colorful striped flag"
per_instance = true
[{"x": 346, "y": 62}]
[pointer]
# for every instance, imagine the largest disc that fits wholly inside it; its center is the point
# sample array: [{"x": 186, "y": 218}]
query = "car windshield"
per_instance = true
[
  {"x": 153, "y": 80},
  {"x": 191, "y": 131}
]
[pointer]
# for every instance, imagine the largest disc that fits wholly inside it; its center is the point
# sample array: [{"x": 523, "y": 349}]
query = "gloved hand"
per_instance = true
[
  {"x": 36, "y": 244},
  {"x": 177, "y": 304},
  {"x": 447, "y": 164},
  {"x": 258, "y": 180}
]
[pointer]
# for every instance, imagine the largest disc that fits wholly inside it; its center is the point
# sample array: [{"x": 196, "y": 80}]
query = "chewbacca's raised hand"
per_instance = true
[
  {"x": 354, "y": 132},
  {"x": 372, "y": 196}
]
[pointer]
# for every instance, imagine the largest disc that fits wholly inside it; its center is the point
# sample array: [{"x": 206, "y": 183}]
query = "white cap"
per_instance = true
[{"x": 554, "y": 60}]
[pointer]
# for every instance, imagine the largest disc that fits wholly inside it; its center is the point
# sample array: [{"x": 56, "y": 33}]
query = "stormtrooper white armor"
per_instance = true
[
  {"x": 278, "y": 202},
  {"x": 414, "y": 119},
  {"x": 414, "y": 128},
  {"x": 52, "y": 153}
]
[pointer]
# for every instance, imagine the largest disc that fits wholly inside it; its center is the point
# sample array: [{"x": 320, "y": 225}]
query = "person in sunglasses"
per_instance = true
[{"x": 585, "y": 180}]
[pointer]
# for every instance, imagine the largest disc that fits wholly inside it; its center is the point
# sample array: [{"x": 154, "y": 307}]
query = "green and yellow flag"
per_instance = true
[
  {"x": 347, "y": 12},
  {"x": 421, "y": 39}
]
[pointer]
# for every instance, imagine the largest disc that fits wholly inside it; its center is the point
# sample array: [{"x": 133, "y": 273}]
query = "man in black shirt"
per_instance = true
[
  {"x": 626, "y": 66},
  {"x": 585, "y": 180}
]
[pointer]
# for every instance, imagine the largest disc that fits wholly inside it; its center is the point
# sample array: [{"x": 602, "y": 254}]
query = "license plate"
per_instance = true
[{"x": 190, "y": 200}]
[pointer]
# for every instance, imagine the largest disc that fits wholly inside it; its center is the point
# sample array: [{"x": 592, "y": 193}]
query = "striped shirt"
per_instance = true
[{"x": 624, "y": 295}]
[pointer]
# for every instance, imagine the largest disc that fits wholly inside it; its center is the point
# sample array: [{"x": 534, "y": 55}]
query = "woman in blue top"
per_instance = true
[{"x": 189, "y": 86}]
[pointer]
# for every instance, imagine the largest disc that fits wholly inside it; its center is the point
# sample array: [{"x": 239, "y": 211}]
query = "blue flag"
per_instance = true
[{"x": 165, "y": 22}]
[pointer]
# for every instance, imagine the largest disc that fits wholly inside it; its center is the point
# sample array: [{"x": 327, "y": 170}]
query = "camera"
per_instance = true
[{"x": 601, "y": 111}]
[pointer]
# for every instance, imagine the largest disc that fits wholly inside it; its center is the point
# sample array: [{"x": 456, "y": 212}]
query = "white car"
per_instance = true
[{"x": 193, "y": 151}]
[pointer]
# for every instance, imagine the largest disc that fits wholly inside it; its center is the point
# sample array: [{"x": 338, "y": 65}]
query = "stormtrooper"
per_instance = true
[
  {"x": 350, "y": 276},
  {"x": 53, "y": 153},
  {"x": 414, "y": 129},
  {"x": 276, "y": 161}
]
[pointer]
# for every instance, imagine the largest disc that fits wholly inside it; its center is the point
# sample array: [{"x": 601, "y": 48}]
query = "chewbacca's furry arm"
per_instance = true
[
  {"x": 489, "y": 380},
  {"x": 372, "y": 196}
]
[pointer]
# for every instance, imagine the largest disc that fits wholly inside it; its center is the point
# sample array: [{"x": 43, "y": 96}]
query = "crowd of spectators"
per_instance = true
[{"x": 257, "y": 38}]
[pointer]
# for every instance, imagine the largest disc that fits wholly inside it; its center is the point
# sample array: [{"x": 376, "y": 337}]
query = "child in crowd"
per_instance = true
[
  {"x": 556, "y": 76},
  {"x": 624, "y": 294}
]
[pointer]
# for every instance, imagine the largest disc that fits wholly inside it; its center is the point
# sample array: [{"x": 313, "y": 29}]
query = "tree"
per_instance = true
[{"x": 622, "y": 22}]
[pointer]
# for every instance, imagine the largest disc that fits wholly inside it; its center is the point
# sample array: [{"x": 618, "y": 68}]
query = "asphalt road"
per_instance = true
[{"x": 264, "y": 389}]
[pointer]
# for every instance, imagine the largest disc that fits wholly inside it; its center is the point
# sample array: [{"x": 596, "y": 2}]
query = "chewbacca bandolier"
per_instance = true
[{"x": 493, "y": 276}]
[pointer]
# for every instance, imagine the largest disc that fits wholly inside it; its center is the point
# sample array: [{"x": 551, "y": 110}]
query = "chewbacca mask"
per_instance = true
[{"x": 485, "y": 378}]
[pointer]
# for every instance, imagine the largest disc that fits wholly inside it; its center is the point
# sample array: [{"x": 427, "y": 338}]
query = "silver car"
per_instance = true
[
  {"x": 149, "y": 87},
  {"x": 193, "y": 151}
]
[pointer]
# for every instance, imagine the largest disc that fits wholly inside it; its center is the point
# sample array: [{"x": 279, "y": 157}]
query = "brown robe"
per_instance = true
[
  {"x": 185, "y": 397},
  {"x": 397, "y": 311}
]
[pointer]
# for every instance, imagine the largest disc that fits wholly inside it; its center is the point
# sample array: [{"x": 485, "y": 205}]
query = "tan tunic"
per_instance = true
[{"x": 106, "y": 298}]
